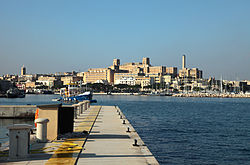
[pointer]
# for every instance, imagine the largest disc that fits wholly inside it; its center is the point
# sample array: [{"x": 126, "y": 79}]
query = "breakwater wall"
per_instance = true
[
  {"x": 211, "y": 95},
  {"x": 17, "y": 111}
]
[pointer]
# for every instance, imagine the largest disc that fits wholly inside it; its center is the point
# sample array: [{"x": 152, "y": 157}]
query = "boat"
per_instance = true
[
  {"x": 72, "y": 93},
  {"x": 77, "y": 98},
  {"x": 14, "y": 93}
]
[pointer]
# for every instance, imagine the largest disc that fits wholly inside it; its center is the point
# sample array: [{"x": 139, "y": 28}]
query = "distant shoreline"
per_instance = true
[
  {"x": 186, "y": 95},
  {"x": 212, "y": 95}
]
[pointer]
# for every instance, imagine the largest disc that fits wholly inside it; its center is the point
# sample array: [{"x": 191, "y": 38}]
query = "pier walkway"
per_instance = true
[{"x": 107, "y": 143}]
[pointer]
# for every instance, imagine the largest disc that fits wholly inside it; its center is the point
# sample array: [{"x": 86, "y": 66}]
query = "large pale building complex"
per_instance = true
[{"x": 134, "y": 73}]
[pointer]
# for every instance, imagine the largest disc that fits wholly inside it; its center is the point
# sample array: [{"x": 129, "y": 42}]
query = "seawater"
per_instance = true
[
  {"x": 189, "y": 130},
  {"x": 184, "y": 130}
]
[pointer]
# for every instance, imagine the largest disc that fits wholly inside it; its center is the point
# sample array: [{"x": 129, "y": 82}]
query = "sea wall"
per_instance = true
[
  {"x": 17, "y": 111},
  {"x": 212, "y": 95}
]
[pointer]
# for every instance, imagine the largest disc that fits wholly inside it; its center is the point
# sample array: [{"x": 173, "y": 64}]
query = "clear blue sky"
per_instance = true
[{"x": 50, "y": 36}]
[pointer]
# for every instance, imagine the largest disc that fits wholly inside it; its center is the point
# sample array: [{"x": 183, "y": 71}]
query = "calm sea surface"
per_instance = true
[{"x": 180, "y": 130}]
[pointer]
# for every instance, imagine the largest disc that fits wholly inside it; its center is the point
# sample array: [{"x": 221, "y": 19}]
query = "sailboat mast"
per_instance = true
[{"x": 221, "y": 88}]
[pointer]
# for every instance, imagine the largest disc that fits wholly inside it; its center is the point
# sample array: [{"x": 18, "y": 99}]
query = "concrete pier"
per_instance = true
[
  {"x": 100, "y": 137},
  {"x": 109, "y": 143}
]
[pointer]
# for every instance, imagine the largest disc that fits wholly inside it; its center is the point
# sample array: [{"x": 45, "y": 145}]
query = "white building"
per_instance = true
[{"x": 125, "y": 80}]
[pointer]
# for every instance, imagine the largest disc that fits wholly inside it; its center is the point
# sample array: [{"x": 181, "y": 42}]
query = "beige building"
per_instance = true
[
  {"x": 27, "y": 77},
  {"x": 144, "y": 81},
  {"x": 160, "y": 70},
  {"x": 167, "y": 79},
  {"x": 71, "y": 79},
  {"x": 193, "y": 73},
  {"x": 136, "y": 67},
  {"x": 118, "y": 76},
  {"x": 125, "y": 80},
  {"x": 30, "y": 84},
  {"x": 172, "y": 71},
  {"x": 189, "y": 73},
  {"x": 94, "y": 75},
  {"x": 49, "y": 81},
  {"x": 80, "y": 74}
]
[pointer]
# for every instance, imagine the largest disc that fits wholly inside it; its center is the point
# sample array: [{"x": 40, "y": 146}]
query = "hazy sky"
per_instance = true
[{"x": 50, "y": 36}]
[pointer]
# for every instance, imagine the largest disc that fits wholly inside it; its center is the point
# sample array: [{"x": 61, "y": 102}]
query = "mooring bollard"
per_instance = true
[
  {"x": 121, "y": 117},
  {"x": 81, "y": 105},
  {"x": 135, "y": 143},
  {"x": 41, "y": 132},
  {"x": 128, "y": 130},
  {"x": 85, "y": 106},
  {"x": 19, "y": 138},
  {"x": 89, "y": 104},
  {"x": 78, "y": 109},
  {"x": 75, "y": 110},
  {"x": 123, "y": 122}
]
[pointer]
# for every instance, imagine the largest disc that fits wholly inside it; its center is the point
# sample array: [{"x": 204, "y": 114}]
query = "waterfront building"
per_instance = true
[
  {"x": 49, "y": 81},
  {"x": 133, "y": 79},
  {"x": 119, "y": 76},
  {"x": 157, "y": 77},
  {"x": 93, "y": 75},
  {"x": 31, "y": 84},
  {"x": 125, "y": 80},
  {"x": 144, "y": 81},
  {"x": 21, "y": 85},
  {"x": 71, "y": 79}
]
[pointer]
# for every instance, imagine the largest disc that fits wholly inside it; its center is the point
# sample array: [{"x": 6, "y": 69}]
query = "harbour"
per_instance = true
[
  {"x": 182, "y": 129},
  {"x": 125, "y": 82}
]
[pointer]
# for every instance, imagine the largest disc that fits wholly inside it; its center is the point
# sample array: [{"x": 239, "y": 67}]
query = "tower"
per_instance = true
[
  {"x": 146, "y": 61},
  {"x": 23, "y": 70},
  {"x": 183, "y": 62},
  {"x": 116, "y": 62}
]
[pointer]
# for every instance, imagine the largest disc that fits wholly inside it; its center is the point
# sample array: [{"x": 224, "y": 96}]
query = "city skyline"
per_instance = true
[{"x": 60, "y": 36}]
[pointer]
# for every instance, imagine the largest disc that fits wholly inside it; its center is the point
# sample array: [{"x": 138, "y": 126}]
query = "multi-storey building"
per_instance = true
[
  {"x": 71, "y": 79},
  {"x": 172, "y": 71},
  {"x": 126, "y": 80},
  {"x": 189, "y": 73},
  {"x": 49, "y": 81},
  {"x": 94, "y": 75}
]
